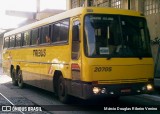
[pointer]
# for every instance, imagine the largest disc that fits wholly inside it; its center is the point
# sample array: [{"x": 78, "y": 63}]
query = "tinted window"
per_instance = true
[
  {"x": 18, "y": 40},
  {"x": 55, "y": 32},
  {"x": 45, "y": 34},
  {"x": 64, "y": 30},
  {"x": 26, "y": 40},
  {"x": 12, "y": 41},
  {"x": 35, "y": 36},
  {"x": 60, "y": 31},
  {"x": 75, "y": 40},
  {"x": 116, "y": 36}
]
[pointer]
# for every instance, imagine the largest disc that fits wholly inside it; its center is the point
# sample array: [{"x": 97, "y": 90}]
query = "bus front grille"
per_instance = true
[{"x": 123, "y": 81}]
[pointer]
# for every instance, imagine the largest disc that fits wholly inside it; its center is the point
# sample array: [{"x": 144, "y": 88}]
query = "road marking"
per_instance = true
[
  {"x": 10, "y": 101},
  {"x": 151, "y": 97}
]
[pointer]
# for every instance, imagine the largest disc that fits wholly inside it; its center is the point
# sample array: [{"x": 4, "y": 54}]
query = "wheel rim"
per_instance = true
[{"x": 61, "y": 90}]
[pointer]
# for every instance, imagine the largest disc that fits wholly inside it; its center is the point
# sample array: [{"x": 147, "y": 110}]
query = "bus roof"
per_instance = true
[{"x": 72, "y": 13}]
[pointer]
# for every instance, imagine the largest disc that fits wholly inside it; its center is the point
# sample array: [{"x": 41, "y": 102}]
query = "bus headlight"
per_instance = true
[
  {"x": 149, "y": 87},
  {"x": 96, "y": 90}
]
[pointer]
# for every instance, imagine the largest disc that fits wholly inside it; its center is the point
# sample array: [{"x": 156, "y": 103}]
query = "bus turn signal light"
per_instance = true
[{"x": 75, "y": 66}]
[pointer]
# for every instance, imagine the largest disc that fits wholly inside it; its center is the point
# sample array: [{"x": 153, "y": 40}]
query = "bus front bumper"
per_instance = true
[{"x": 90, "y": 91}]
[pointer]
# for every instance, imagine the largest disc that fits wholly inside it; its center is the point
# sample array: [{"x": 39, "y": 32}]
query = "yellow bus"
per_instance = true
[{"x": 84, "y": 52}]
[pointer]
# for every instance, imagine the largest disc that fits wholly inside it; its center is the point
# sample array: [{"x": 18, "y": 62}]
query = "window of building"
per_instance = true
[
  {"x": 12, "y": 41},
  {"x": 100, "y": 3},
  {"x": 18, "y": 40},
  {"x": 151, "y": 6},
  {"x": 132, "y": 4},
  {"x": 74, "y": 3},
  {"x": 116, "y": 3}
]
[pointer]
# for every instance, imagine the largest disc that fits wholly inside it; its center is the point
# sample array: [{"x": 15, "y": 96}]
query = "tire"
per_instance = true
[
  {"x": 13, "y": 76},
  {"x": 115, "y": 98},
  {"x": 20, "y": 79},
  {"x": 62, "y": 91}
]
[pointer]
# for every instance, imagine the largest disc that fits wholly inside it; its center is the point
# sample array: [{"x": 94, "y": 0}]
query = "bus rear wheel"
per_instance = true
[
  {"x": 20, "y": 79},
  {"x": 62, "y": 92},
  {"x": 13, "y": 76}
]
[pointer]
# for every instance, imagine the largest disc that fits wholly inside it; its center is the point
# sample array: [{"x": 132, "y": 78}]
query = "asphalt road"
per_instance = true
[{"x": 47, "y": 102}]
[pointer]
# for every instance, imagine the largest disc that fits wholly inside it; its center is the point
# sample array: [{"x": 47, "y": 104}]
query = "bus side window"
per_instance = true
[
  {"x": 6, "y": 42},
  {"x": 26, "y": 40},
  {"x": 45, "y": 34},
  {"x": 35, "y": 36},
  {"x": 12, "y": 41},
  {"x": 64, "y": 30},
  {"x": 18, "y": 40},
  {"x": 75, "y": 40},
  {"x": 55, "y": 32},
  {"x": 60, "y": 31}
]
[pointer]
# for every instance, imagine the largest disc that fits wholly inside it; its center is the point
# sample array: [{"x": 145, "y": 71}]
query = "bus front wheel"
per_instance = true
[{"x": 62, "y": 92}]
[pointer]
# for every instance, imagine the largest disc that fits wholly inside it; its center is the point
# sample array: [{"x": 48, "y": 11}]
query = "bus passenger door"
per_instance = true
[{"x": 75, "y": 50}]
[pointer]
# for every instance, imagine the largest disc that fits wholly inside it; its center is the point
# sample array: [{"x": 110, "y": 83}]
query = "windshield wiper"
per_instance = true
[
  {"x": 140, "y": 57},
  {"x": 109, "y": 57}
]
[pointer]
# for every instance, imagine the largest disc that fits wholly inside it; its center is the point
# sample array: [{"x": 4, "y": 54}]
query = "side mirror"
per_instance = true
[{"x": 75, "y": 33}]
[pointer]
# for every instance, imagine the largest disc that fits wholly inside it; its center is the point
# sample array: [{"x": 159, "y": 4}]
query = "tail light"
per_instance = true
[{"x": 75, "y": 68}]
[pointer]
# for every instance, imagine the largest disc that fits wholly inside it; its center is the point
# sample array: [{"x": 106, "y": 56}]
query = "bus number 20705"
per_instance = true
[{"x": 102, "y": 69}]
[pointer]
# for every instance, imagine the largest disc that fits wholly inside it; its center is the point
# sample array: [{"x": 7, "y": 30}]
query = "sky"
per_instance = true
[{"x": 7, "y": 21}]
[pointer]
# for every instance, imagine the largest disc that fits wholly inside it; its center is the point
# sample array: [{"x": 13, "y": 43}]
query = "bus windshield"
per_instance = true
[{"x": 116, "y": 36}]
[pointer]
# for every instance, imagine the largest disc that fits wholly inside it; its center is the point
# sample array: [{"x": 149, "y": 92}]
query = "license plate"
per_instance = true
[{"x": 125, "y": 90}]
